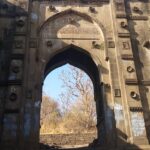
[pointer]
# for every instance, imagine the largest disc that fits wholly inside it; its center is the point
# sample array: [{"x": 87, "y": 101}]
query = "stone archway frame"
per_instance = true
[
  {"x": 72, "y": 46},
  {"x": 86, "y": 17},
  {"x": 95, "y": 58},
  {"x": 74, "y": 56}
]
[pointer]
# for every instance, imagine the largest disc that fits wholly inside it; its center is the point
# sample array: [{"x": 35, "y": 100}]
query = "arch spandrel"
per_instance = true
[{"x": 72, "y": 28}]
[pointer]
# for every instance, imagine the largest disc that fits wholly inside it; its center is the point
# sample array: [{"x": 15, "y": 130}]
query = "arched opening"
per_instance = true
[
  {"x": 68, "y": 108},
  {"x": 81, "y": 59}
]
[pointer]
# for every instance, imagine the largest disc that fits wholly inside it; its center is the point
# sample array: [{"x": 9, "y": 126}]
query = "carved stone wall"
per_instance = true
[{"x": 108, "y": 39}]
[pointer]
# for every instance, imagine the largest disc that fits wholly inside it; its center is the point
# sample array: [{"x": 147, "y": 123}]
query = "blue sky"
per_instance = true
[{"x": 52, "y": 84}]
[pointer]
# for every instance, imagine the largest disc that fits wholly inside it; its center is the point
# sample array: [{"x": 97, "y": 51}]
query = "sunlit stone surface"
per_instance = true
[{"x": 102, "y": 37}]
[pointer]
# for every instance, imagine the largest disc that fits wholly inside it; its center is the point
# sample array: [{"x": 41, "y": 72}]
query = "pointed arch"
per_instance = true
[
  {"x": 71, "y": 11},
  {"x": 75, "y": 56},
  {"x": 83, "y": 15},
  {"x": 81, "y": 59}
]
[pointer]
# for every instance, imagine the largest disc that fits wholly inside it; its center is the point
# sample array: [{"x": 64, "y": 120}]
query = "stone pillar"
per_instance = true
[{"x": 100, "y": 115}]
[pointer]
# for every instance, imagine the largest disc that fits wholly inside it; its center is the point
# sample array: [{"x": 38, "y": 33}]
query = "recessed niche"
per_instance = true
[
  {"x": 126, "y": 45},
  {"x": 13, "y": 97},
  {"x": 111, "y": 44},
  {"x": 49, "y": 43},
  {"x": 147, "y": 45},
  {"x": 123, "y": 24},
  {"x": 15, "y": 69},
  {"x": 96, "y": 45},
  {"x": 133, "y": 94},
  {"x": 136, "y": 109},
  {"x": 52, "y": 8},
  {"x": 117, "y": 93},
  {"x": 19, "y": 44},
  {"x": 137, "y": 10},
  {"x": 20, "y": 23},
  {"x": 130, "y": 69},
  {"x": 106, "y": 58},
  {"x": 92, "y": 9},
  {"x": 119, "y": 6}
]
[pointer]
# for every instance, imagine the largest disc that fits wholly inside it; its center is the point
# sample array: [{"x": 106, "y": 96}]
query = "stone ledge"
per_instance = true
[
  {"x": 127, "y": 56},
  {"x": 10, "y": 82},
  {"x": 13, "y": 15},
  {"x": 17, "y": 56},
  {"x": 124, "y": 35},
  {"x": 137, "y": 17},
  {"x": 131, "y": 81},
  {"x": 20, "y": 34},
  {"x": 136, "y": 109},
  {"x": 121, "y": 16},
  {"x": 145, "y": 82},
  {"x": 11, "y": 111},
  {"x": 131, "y": 17},
  {"x": 136, "y": 82}
]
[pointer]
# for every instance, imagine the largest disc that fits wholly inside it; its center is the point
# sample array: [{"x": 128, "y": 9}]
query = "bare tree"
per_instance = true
[
  {"x": 78, "y": 99},
  {"x": 76, "y": 111}
]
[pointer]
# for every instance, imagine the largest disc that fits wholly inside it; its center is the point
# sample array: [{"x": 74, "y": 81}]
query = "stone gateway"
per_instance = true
[{"x": 108, "y": 39}]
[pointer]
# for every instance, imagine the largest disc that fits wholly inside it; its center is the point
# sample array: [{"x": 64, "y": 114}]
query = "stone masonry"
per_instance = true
[{"x": 108, "y": 39}]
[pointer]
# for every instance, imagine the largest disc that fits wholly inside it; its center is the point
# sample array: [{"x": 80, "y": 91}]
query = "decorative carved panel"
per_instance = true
[
  {"x": 134, "y": 95},
  {"x": 120, "y": 6},
  {"x": 13, "y": 97},
  {"x": 10, "y": 82},
  {"x": 11, "y": 111},
  {"x": 17, "y": 56},
  {"x": 130, "y": 69},
  {"x": 137, "y": 17},
  {"x": 127, "y": 56},
  {"x": 131, "y": 81},
  {"x": 33, "y": 43},
  {"x": 111, "y": 44},
  {"x": 117, "y": 93},
  {"x": 136, "y": 109},
  {"x": 125, "y": 45},
  {"x": 124, "y": 35},
  {"x": 121, "y": 15},
  {"x": 19, "y": 44},
  {"x": 146, "y": 83}
]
